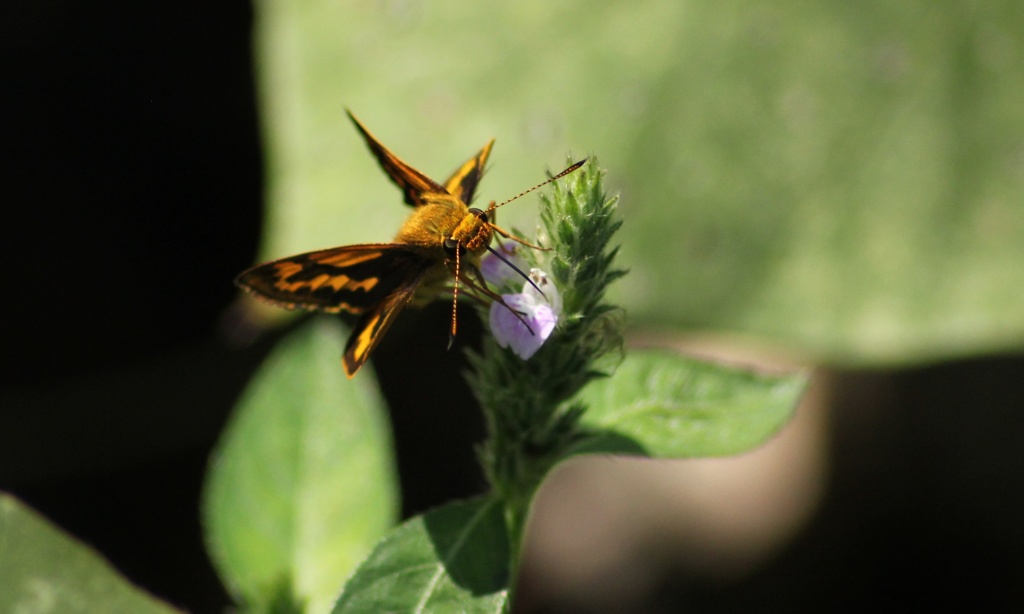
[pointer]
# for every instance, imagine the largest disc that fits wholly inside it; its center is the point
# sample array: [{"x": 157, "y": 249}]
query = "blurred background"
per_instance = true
[{"x": 818, "y": 185}]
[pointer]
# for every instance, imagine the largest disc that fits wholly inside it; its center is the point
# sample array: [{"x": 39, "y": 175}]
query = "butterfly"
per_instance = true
[{"x": 437, "y": 248}]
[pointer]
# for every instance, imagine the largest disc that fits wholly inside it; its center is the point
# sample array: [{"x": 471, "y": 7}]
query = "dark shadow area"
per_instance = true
[{"x": 434, "y": 416}]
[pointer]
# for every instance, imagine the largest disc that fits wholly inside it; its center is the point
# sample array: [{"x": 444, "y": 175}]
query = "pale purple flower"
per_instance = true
[{"x": 539, "y": 311}]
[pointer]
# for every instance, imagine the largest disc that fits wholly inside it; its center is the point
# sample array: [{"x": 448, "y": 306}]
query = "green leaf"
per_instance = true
[
  {"x": 44, "y": 570},
  {"x": 843, "y": 181},
  {"x": 451, "y": 559},
  {"x": 666, "y": 405},
  {"x": 302, "y": 484}
]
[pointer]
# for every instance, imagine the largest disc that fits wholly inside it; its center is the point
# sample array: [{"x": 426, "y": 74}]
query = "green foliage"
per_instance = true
[
  {"x": 579, "y": 221},
  {"x": 464, "y": 557},
  {"x": 452, "y": 559},
  {"x": 302, "y": 485},
  {"x": 44, "y": 570},
  {"x": 843, "y": 181},
  {"x": 665, "y": 405}
]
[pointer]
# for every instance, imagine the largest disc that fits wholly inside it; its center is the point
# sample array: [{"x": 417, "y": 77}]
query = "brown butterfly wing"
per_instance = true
[
  {"x": 462, "y": 184},
  {"x": 412, "y": 182},
  {"x": 354, "y": 278}
]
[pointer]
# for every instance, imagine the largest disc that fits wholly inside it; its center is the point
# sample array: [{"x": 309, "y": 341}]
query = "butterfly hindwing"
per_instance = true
[
  {"x": 354, "y": 278},
  {"x": 372, "y": 326}
]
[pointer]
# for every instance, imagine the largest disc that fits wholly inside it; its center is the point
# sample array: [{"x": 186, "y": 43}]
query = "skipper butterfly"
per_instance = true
[{"x": 439, "y": 246}]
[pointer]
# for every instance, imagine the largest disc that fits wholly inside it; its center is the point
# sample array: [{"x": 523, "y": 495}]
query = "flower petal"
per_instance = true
[
  {"x": 510, "y": 331},
  {"x": 549, "y": 293}
]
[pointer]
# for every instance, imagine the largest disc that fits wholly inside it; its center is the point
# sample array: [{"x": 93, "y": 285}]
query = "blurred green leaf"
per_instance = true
[
  {"x": 844, "y": 179},
  {"x": 667, "y": 405},
  {"x": 44, "y": 570},
  {"x": 302, "y": 484},
  {"x": 451, "y": 559}
]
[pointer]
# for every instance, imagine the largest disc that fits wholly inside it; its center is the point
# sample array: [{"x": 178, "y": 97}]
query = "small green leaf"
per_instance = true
[
  {"x": 302, "y": 484},
  {"x": 666, "y": 405},
  {"x": 44, "y": 570},
  {"x": 452, "y": 559}
]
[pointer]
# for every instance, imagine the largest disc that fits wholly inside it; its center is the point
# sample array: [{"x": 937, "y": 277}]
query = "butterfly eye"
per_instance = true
[
  {"x": 480, "y": 214},
  {"x": 450, "y": 245}
]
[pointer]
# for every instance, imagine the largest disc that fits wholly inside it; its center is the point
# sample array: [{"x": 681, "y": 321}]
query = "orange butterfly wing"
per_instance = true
[{"x": 413, "y": 183}]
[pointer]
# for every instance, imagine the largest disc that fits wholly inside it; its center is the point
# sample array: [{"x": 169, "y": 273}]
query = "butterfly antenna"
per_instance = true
[
  {"x": 517, "y": 270},
  {"x": 455, "y": 297},
  {"x": 542, "y": 184}
]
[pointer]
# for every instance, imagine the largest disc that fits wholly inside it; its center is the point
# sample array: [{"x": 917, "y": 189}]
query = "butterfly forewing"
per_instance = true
[
  {"x": 354, "y": 278},
  {"x": 412, "y": 182}
]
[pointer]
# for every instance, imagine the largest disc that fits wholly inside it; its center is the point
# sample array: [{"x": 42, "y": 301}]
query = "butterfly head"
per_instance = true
[{"x": 473, "y": 234}]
